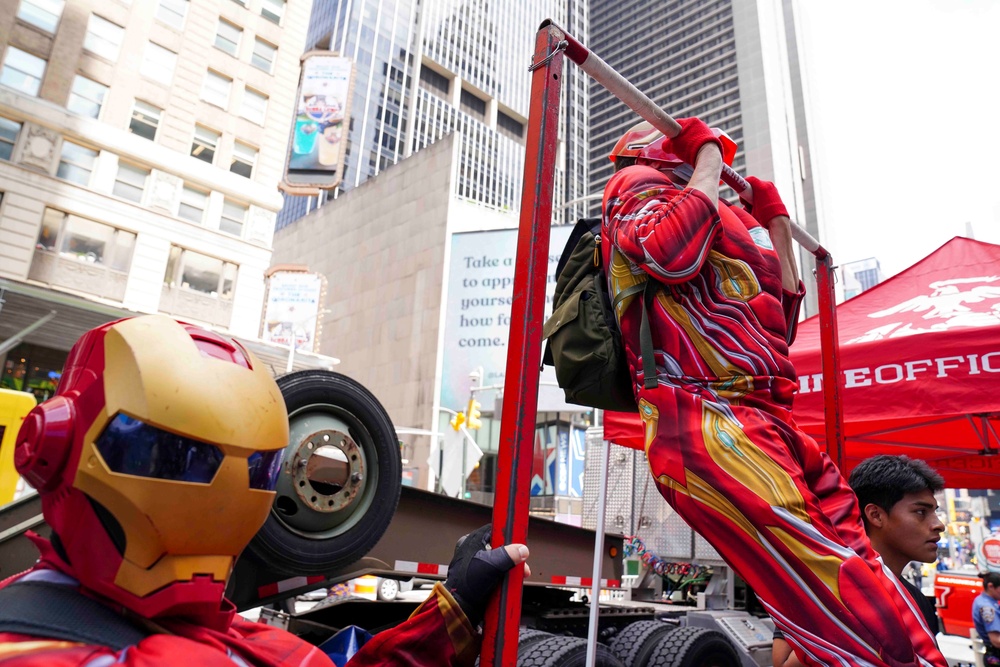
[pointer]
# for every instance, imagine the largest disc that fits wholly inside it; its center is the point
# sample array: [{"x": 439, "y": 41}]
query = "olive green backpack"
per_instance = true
[{"x": 583, "y": 340}]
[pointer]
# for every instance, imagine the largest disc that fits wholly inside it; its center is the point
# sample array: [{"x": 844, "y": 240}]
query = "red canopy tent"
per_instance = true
[{"x": 920, "y": 362}]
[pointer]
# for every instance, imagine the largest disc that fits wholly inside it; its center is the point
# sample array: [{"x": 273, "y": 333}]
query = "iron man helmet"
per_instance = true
[
  {"x": 156, "y": 461},
  {"x": 650, "y": 147}
]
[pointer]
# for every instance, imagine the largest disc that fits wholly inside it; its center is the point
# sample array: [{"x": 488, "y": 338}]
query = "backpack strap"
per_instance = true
[
  {"x": 645, "y": 333},
  {"x": 627, "y": 292},
  {"x": 59, "y": 611}
]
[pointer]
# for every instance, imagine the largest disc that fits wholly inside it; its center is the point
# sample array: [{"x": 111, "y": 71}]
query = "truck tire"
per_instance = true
[
  {"x": 340, "y": 477},
  {"x": 526, "y": 637},
  {"x": 635, "y": 643},
  {"x": 694, "y": 647},
  {"x": 565, "y": 652}
]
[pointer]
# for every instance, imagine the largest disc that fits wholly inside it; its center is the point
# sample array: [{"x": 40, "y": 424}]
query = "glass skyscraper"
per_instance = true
[{"x": 424, "y": 68}]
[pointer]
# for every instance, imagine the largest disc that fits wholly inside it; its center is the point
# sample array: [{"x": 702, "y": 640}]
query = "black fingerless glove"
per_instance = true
[{"x": 475, "y": 571}]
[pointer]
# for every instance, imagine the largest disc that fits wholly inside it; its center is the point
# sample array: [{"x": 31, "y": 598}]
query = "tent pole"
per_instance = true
[
  {"x": 832, "y": 398},
  {"x": 987, "y": 430}
]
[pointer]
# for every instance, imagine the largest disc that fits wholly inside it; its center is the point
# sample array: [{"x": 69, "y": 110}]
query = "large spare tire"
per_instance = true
[
  {"x": 694, "y": 647},
  {"x": 340, "y": 477}
]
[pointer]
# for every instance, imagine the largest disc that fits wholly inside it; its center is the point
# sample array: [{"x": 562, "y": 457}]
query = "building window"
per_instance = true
[
  {"x": 130, "y": 182},
  {"x": 158, "y": 63},
  {"x": 216, "y": 89},
  {"x": 227, "y": 37},
  {"x": 42, "y": 14},
  {"x": 233, "y": 217},
  {"x": 200, "y": 273},
  {"x": 86, "y": 240},
  {"x": 9, "y": 130},
  {"x": 86, "y": 97},
  {"x": 172, "y": 12},
  {"x": 263, "y": 55},
  {"x": 145, "y": 120},
  {"x": 509, "y": 127},
  {"x": 193, "y": 204},
  {"x": 22, "y": 71},
  {"x": 204, "y": 144},
  {"x": 48, "y": 234},
  {"x": 244, "y": 159},
  {"x": 434, "y": 82},
  {"x": 472, "y": 105},
  {"x": 104, "y": 38},
  {"x": 76, "y": 163},
  {"x": 272, "y": 10},
  {"x": 254, "y": 106}
]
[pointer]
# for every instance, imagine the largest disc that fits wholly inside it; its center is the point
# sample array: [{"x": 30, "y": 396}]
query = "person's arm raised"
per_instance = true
[{"x": 707, "y": 169}]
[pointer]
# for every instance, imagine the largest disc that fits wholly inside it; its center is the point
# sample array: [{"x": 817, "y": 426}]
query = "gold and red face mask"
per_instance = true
[{"x": 182, "y": 451}]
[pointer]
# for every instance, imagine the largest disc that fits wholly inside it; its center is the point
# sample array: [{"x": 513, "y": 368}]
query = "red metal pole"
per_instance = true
[
  {"x": 830, "y": 345},
  {"x": 524, "y": 349}
]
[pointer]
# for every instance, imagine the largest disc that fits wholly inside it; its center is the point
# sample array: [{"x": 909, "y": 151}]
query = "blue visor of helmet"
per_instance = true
[
  {"x": 132, "y": 447},
  {"x": 264, "y": 468}
]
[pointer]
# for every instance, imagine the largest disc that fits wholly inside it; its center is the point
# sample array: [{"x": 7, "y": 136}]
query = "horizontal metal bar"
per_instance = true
[
  {"x": 21, "y": 528},
  {"x": 650, "y": 111}
]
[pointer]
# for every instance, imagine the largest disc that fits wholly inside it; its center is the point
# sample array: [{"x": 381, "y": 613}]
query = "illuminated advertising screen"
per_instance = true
[{"x": 319, "y": 135}]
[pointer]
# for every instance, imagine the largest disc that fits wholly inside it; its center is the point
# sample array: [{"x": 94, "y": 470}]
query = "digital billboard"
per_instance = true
[{"x": 319, "y": 136}]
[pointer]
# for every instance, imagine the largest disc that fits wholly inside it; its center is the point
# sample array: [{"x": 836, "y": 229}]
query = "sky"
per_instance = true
[{"x": 904, "y": 98}]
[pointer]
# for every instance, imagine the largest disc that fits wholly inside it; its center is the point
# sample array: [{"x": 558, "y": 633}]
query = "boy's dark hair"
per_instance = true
[
  {"x": 991, "y": 578},
  {"x": 883, "y": 480}
]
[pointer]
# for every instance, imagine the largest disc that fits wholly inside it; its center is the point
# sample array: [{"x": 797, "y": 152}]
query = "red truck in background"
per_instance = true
[{"x": 953, "y": 593}]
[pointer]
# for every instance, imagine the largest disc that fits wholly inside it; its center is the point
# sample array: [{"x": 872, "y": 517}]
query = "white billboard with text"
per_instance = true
[
  {"x": 293, "y": 303},
  {"x": 478, "y": 316}
]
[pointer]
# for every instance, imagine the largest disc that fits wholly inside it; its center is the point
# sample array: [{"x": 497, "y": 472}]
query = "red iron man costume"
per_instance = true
[
  {"x": 156, "y": 462},
  {"x": 720, "y": 438}
]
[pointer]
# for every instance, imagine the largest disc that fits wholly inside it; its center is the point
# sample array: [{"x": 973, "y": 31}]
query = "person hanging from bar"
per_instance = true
[{"x": 716, "y": 401}]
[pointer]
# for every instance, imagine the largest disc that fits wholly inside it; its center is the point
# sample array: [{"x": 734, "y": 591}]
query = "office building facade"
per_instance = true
[
  {"x": 426, "y": 68},
  {"x": 859, "y": 276},
  {"x": 733, "y": 63},
  {"x": 141, "y": 144}
]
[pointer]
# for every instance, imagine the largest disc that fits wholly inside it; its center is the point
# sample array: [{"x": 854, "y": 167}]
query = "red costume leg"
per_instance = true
[{"x": 778, "y": 511}]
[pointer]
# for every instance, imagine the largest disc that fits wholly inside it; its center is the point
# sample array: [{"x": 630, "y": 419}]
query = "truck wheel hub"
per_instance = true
[{"x": 328, "y": 470}]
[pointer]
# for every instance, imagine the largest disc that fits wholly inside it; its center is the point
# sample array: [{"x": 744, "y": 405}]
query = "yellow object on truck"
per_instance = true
[{"x": 14, "y": 407}]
